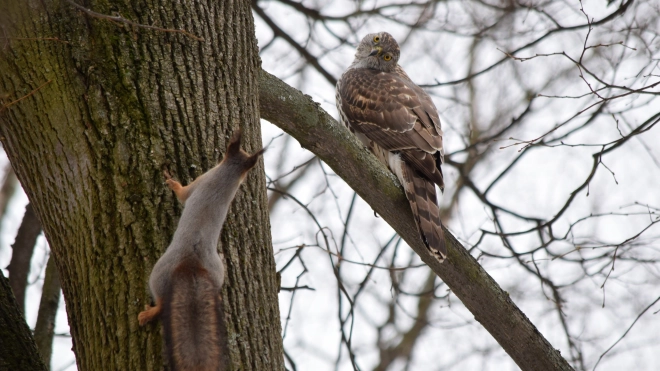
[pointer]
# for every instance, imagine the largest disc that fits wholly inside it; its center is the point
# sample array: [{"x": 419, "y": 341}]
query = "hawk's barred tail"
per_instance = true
[{"x": 421, "y": 194}]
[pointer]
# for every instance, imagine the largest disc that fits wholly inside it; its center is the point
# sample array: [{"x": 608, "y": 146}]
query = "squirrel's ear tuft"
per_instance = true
[
  {"x": 234, "y": 143},
  {"x": 252, "y": 160}
]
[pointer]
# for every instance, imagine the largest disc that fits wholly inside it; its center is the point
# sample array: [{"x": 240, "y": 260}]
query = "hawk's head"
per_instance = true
[{"x": 378, "y": 51}]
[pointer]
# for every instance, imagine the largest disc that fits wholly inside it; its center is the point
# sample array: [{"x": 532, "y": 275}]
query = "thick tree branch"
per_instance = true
[
  {"x": 316, "y": 131},
  {"x": 17, "y": 348}
]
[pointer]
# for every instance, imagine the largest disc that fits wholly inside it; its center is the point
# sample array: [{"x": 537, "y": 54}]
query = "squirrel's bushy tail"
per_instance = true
[{"x": 193, "y": 321}]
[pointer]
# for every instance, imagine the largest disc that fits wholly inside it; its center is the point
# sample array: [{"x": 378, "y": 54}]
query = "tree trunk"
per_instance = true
[{"x": 95, "y": 110}]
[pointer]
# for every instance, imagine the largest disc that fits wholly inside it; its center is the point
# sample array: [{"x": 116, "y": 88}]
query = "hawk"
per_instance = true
[{"x": 399, "y": 124}]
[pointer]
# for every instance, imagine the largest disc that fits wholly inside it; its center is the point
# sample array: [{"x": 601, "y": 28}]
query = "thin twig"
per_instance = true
[
  {"x": 625, "y": 333},
  {"x": 35, "y": 39},
  {"x": 25, "y": 96},
  {"x": 129, "y": 22}
]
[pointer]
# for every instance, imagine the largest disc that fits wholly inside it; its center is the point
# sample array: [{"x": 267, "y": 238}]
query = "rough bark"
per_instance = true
[
  {"x": 22, "y": 251},
  {"x": 44, "y": 330},
  {"x": 106, "y": 107},
  {"x": 17, "y": 349},
  {"x": 316, "y": 131}
]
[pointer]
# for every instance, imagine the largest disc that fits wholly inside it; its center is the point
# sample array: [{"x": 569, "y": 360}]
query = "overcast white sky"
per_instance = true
[{"x": 537, "y": 186}]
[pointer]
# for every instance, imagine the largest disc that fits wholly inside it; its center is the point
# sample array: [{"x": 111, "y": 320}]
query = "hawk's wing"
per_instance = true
[{"x": 397, "y": 115}]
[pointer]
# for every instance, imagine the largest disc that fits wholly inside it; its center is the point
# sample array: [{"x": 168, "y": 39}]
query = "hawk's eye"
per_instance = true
[
  {"x": 376, "y": 39},
  {"x": 387, "y": 57}
]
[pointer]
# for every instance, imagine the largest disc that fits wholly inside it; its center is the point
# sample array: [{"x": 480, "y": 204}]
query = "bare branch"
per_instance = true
[
  {"x": 9, "y": 184},
  {"x": 315, "y": 130},
  {"x": 23, "y": 248},
  {"x": 44, "y": 330},
  {"x": 312, "y": 60},
  {"x": 625, "y": 333},
  {"x": 18, "y": 350}
]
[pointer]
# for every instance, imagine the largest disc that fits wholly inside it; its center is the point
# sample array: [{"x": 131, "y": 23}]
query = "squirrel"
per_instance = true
[{"x": 186, "y": 281}]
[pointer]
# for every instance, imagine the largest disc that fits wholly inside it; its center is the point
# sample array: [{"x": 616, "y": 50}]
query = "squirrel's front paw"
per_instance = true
[
  {"x": 173, "y": 184},
  {"x": 148, "y": 314}
]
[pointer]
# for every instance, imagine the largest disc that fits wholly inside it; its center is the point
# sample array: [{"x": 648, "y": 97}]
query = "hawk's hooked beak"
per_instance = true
[{"x": 375, "y": 50}]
